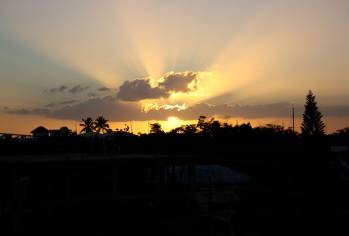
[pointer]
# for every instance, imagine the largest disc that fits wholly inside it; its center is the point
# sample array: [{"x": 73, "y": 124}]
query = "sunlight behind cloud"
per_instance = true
[{"x": 244, "y": 51}]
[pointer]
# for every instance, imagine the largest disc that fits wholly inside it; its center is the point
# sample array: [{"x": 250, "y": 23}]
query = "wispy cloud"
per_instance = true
[
  {"x": 36, "y": 111},
  {"x": 69, "y": 89},
  {"x": 63, "y": 103}
]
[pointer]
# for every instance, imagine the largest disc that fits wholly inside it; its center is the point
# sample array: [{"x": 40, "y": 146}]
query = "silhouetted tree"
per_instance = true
[
  {"x": 341, "y": 136},
  {"x": 127, "y": 128},
  {"x": 208, "y": 127},
  {"x": 312, "y": 124},
  {"x": 202, "y": 123},
  {"x": 178, "y": 130},
  {"x": 88, "y": 125},
  {"x": 101, "y": 125},
  {"x": 155, "y": 128},
  {"x": 273, "y": 129},
  {"x": 344, "y": 131},
  {"x": 190, "y": 129},
  {"x": 65, "y": 131}
]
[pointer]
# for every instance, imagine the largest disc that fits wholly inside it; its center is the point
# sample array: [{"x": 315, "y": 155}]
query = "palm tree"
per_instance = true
[
  {"x": 88, "y": 125},
  {"x": 101, "y": 125}
]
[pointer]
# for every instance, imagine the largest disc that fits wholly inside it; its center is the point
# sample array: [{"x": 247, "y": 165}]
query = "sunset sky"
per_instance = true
[{"x": 171, "y": 60}]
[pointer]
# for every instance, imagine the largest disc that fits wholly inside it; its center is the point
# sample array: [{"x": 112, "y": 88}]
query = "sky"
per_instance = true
[{"x": 144, "y": 60}]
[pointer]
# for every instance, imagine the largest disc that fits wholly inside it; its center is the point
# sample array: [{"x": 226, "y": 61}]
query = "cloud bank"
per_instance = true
[
  {"x": 124, "y": 104},
  {"x": 122, "y": 111}
]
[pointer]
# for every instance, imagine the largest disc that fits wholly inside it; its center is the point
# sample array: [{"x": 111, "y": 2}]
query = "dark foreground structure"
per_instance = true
[{"x": 108, "y": 194}]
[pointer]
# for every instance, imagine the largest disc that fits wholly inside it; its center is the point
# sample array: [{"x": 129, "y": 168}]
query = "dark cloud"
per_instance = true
[
  {"x": 276, "y": 110},
  {"x": 180, "y": 81},
  {"x": 61, "y": 88},
  {"x": 63, "y": 103},
  {"x": 78, "y": 89},
  {"x": 68, "y": 102},
  {"x": 338, "y": 111},
  {"x": 70, "y": 89},
  {"x": 103, "y": 89},
  {"x": 109, "y": 107},
  {"x": 36, "y": 111},
  {"x": 51, "y": 105},
  {"x": 139, "y": 89},
  {"x": 122, "y": 111},
  {"x": 91, "y": 95}
]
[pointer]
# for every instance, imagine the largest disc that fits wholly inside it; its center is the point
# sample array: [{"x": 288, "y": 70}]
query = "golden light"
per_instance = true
[
  {"x": 251, "y": 57},
  {"x": 173, "y": 122}
]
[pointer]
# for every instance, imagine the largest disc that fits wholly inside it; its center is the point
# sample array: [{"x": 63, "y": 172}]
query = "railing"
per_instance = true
[{"x": 16, "y": 136}]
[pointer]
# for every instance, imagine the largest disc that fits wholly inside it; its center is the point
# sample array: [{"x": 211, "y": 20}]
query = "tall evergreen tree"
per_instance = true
[{"x": 312, "y": 124}]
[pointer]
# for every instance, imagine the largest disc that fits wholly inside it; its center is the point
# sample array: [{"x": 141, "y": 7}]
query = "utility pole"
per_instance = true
[
  {"x": 293, "y": 120},
  {"x": 131, "y": 126}
]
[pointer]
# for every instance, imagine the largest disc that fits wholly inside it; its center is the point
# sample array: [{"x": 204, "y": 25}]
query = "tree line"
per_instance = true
[
  {"x": 312, "y": 125},
  {"x": 206, "y": 136}
]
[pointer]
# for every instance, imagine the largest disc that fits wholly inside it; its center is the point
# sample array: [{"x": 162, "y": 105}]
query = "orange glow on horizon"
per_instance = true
[{"x": 23, "y": 124}]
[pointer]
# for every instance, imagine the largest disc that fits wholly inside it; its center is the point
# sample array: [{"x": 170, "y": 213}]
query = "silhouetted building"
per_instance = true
[
  {"x": 62, "y": 132},
  {"x": 40, "y": 132}
]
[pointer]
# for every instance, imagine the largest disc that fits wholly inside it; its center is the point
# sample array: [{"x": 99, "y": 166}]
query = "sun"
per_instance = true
[{"x": 173, "y": 121}]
